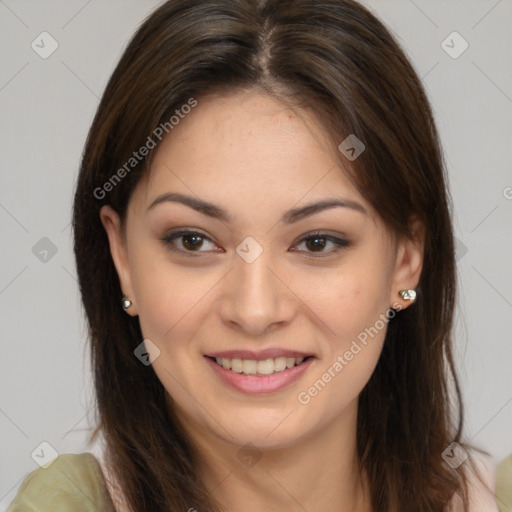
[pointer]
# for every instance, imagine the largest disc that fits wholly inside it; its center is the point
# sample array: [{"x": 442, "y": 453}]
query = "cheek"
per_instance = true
[
  {"x": 350, "y": 300},
  {"x": 167, "y": 297},
  {"x": 352, "y": 306},
  {"x": 357, "y": 325}
]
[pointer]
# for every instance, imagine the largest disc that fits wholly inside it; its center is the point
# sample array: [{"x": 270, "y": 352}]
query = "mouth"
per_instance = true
[{"x": 260, "y": 367}]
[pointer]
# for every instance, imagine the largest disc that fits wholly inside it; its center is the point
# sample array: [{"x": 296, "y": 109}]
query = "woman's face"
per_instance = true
[{"x": 248, "y": 283}]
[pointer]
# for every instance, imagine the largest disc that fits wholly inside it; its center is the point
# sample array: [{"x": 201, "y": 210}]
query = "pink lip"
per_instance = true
[
  {"x": 253, "y": 384},
  {"x": 269, "y": 353}
]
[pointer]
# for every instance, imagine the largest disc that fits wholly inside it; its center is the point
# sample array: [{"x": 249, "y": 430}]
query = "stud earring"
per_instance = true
[
  {"x": 409, "y": 294},
  {"x": 126, "y": 302}
]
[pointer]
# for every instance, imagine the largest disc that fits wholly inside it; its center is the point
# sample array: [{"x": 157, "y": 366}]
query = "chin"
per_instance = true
[{"x": 272, "y": 432}]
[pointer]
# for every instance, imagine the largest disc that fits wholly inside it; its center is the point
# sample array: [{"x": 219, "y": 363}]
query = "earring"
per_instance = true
[
  {"x": 126, "y": 302},
  {"x": 409, "y": 294}
]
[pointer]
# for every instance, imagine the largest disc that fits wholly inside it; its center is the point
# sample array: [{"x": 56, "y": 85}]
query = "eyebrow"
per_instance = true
[{"x": 291, "y": 216}]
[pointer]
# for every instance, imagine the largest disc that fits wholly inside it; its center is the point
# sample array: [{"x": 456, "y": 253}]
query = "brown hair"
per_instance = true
[{"x": 335, "y": 57}]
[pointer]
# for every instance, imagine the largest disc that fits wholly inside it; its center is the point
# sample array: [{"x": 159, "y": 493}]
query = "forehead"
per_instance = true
[{"x": 251, "y": 147}]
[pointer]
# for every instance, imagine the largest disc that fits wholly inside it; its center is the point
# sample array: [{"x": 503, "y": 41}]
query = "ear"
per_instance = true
[
  {"x": 112, "y": 224},
  {"x": 408, "y": 262}
]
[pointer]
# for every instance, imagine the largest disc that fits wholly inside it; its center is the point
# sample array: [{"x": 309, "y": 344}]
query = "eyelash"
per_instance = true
[{"x": 339, "y": 242}]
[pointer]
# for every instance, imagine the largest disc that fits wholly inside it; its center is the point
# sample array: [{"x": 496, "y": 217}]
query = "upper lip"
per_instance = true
[{"x": 269, "y": 353}]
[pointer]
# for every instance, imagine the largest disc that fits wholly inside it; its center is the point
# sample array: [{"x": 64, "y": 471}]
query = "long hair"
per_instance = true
[{"x": 335, "y": 58}]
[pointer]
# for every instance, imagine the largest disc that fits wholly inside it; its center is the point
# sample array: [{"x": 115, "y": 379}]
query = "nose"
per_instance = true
[{"x": 256, "y": 297}]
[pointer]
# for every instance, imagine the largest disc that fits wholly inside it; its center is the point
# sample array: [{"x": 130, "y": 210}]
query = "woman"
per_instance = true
[{"x": 265, "y": 256}]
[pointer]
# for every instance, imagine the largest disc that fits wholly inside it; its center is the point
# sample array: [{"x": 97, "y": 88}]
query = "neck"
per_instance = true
[{"x": 320, "y": 472}]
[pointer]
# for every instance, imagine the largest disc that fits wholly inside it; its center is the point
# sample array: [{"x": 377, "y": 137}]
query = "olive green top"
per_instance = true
[
  {"x": 72, "y": 483},
  {"x": 75, "y": 483},
  {"x": 504, "y": 485}
]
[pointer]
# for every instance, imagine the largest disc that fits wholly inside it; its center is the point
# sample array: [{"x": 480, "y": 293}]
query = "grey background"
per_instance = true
[{"x": 46, "y": 108}]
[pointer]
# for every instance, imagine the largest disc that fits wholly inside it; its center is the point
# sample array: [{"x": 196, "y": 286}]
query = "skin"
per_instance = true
[{"x": 256, "y": 158}]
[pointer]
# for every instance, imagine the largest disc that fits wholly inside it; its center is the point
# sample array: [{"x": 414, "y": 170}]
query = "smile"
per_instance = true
[
  {"x": 263, "y": 367},
  {"x": 259, "y": 376}
]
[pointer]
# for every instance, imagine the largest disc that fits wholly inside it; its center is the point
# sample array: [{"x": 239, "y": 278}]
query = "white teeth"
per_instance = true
[
  {"x": 263, "y": 367},
  {"x": 279, "y": 364},
  {"x": 237, "y": 365},
  {"x": 249, "y": 366}
]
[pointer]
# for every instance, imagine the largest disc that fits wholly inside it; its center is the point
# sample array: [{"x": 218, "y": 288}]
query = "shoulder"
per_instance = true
[
  {"x": 504, "y": 484},
  {"x": 71, "y": 483},
  {"x": 480, "y": 471}
]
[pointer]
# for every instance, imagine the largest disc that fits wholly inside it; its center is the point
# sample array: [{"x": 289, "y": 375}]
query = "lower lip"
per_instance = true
[{"x": 254, "y": 384}]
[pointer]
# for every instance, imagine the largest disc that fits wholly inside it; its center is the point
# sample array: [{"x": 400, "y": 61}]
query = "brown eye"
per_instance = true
[
  {"x": 317, "y": 242},
  {"x": 188, "y": 242},
  {"x": 192, "y": 241}
]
